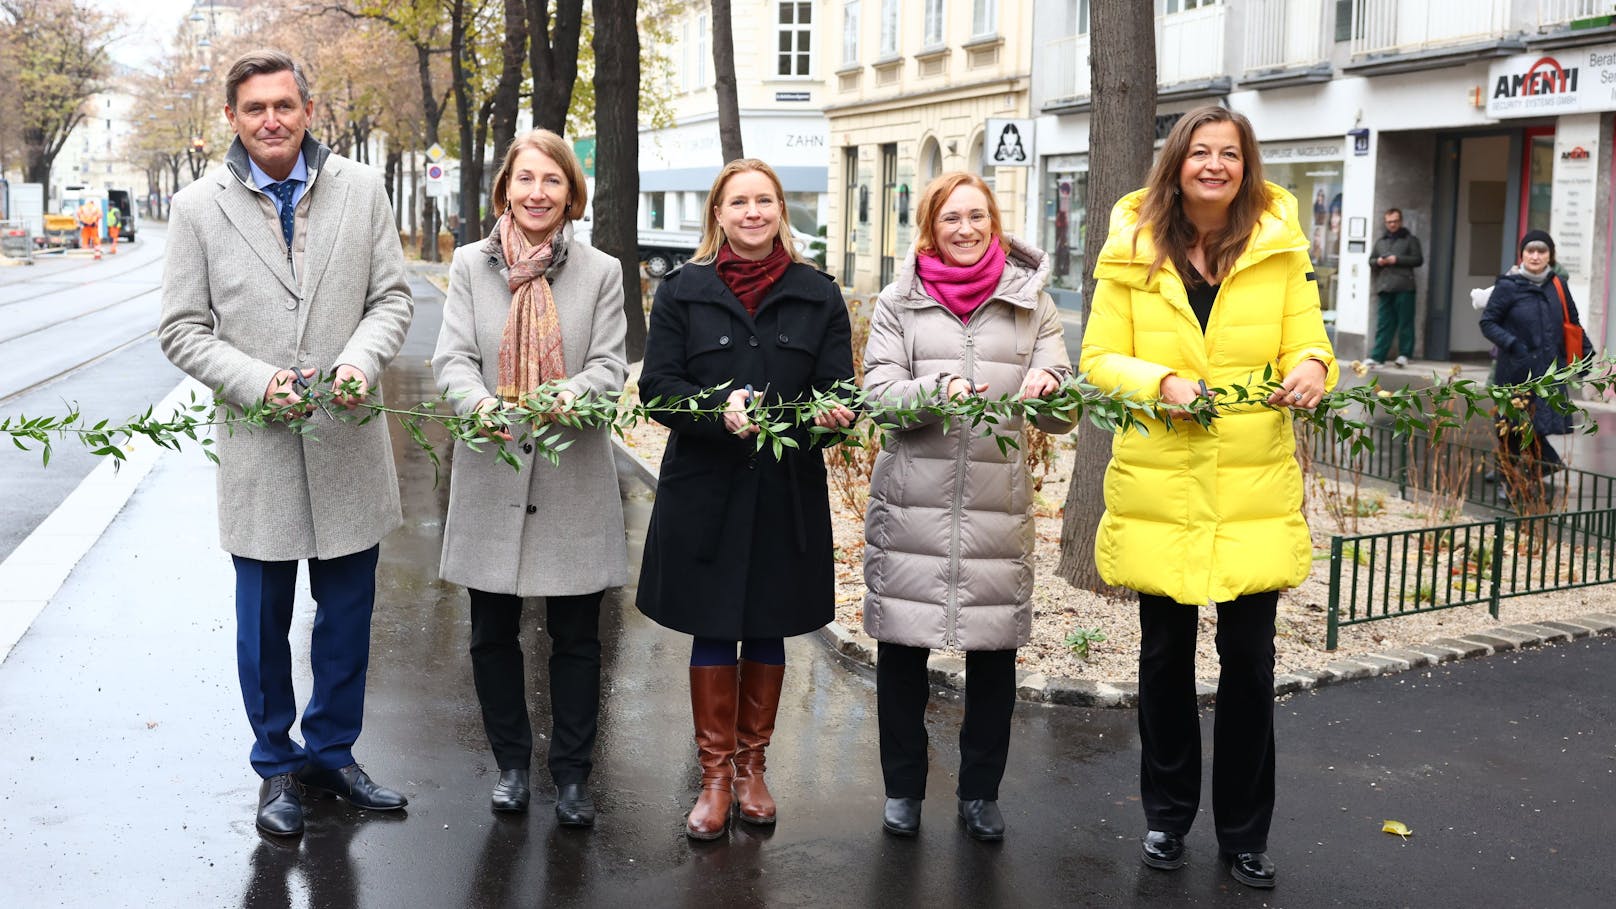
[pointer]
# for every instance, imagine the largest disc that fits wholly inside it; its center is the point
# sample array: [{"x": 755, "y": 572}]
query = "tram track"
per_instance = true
[{"x": 65, "y": 279}]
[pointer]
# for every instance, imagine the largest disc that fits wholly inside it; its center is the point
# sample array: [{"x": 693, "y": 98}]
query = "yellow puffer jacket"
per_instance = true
[{"x": 1205, "y": 515}]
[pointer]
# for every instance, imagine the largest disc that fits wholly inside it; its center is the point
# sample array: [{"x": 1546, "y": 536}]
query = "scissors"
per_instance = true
[{"x": 307, "y": 391}]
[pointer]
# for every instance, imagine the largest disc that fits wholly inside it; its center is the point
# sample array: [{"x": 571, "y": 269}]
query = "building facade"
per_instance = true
[
  {"x": 780, "y": 78},
  {"x": 914, "y": 86},
  {"x": 1480, "y": 119}
]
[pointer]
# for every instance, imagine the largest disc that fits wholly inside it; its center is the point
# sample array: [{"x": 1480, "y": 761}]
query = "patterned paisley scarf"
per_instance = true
[{"x": 530, "y": 348}]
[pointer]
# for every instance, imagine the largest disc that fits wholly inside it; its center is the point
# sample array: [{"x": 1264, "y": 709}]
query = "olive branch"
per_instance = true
[{"x": 543, "y": 417}]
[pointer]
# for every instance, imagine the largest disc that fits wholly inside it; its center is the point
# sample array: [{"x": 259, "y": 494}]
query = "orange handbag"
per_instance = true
[{"x": 1573, "y": 331}]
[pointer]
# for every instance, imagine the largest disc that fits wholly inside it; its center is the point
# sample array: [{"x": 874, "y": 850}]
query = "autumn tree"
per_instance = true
[
  {"x": 53, "y": 57},
  {"x": 729, "y": 105},
  {"x": 1122, "y": 138},
  {"x": 553, "y": 49}
]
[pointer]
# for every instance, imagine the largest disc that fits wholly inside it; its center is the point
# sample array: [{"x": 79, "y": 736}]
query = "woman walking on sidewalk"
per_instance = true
[
  {"x": 1205, "y": 281},
  {"x": 1532, "y": 318},
  {"x": 739, "y": 546},
  {"x": 527, "y": 307},
  {"x": 949, "y": 529}
]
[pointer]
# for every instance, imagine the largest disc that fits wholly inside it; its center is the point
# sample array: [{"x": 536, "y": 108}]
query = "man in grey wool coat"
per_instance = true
[{"x": 284, "y": 272}]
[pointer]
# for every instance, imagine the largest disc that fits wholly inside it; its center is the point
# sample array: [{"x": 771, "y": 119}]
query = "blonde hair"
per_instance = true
[
  {"x": 1163, "y": 207},
  {"x": 936, "y": 194},
  {"x": 556, "y": 149},
  {"x": 712, "y": 236}
]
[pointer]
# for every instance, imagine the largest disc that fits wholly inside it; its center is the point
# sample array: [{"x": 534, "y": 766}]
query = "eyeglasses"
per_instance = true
[{"x": 977, "y": 219}]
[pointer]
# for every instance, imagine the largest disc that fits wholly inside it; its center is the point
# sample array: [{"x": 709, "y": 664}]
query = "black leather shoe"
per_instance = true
[
  {"x": 280, "y": 805},
  {"x": 1251, "y": 868},
  {"x": 982, "y": 819},
  {"x": 1164, "y": 851},
  {"x": 511, "y": 793},
  {"x": 352, "y": 784},
  {"x": 574, "y": 806},
  {"x": 901, "y": 817}
]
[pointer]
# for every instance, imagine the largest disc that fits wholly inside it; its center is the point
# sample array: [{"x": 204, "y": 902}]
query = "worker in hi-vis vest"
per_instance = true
[
  {"x": 89, "y": 216},
  {"x": 114, "y": 223}
]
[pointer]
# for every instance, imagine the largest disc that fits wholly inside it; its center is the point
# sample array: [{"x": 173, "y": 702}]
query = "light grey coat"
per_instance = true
[
  {"x": 949, "y": 529},
  {"x": 236, "y": 310},
  {"x": 546, "y": 530}
]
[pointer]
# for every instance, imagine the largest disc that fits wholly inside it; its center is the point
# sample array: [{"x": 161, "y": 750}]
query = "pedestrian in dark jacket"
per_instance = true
[
  {"x": 1526, "y": 318},
  {"x": 739, "y": 545},
  {"x": 1392, "y": 262}
]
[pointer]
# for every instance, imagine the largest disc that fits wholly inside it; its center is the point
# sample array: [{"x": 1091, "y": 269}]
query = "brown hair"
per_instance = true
[
  {"x": 556, "y": 149},
  {"x": 712, "y": 236},
  {"x": 260, "y": 63},
  {"x": 936, "y": 193},
  {"x": 1163, "y": 208}
]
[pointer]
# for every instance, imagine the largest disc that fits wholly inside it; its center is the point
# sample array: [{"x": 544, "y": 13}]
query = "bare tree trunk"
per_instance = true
[
  {"x": 617, "y": 169},
  {"x": 729, "y": 106},
  {"x": 465, "y": 119},
  {"x": 1123, "y": 131},
  {"x": 507, "y": 94},
  {"x": 434, "y": 112},
  {"x": 553, "y": 55}
]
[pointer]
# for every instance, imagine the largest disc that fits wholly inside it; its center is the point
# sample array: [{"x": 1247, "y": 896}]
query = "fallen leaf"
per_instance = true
[{"x": 1397, "y": 827}]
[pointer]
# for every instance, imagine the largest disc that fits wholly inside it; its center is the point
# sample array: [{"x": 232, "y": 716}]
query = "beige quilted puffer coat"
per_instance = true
[{"x": 949, "y": 530}]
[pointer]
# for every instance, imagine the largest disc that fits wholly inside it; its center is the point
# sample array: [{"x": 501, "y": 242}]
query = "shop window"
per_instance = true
[
  {"x": 658, "y": 203},
  {"x": 1317, "y": 186},
  {"x": 1065, "y": 202}
]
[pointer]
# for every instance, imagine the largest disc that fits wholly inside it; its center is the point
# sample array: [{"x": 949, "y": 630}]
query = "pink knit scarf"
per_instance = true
[{"x": 961, "y": 288}]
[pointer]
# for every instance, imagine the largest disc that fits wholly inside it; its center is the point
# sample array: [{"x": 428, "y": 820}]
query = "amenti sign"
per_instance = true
[{"x": 1557, "y": 82}]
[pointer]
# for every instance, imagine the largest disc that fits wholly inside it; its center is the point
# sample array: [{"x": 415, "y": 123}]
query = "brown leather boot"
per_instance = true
[
  {"x": 712, "y": 703},
  {"x": 754, "y": 726}
]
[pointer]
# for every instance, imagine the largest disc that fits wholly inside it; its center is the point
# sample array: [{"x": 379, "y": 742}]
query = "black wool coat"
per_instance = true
[
  {"x": 1524, "y": 319},
  {"x": 739, "y": 544}
]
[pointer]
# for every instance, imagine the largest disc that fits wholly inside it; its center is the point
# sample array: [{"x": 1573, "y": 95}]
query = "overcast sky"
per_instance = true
[{"x": 147, "y": 25}]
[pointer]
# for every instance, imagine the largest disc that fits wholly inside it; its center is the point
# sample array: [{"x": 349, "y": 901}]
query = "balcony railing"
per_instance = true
[
  {"x": 1281, "y": 34},
  {"x": 1399, "y": 27},
  {"x": 1189, "y": 45},
  {"x": 1064, "y": 69},
  {"x": 1557, "y": 14}
]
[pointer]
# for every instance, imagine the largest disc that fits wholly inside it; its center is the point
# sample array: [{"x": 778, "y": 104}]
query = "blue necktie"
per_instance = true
[{"x": 283, "y": 191}]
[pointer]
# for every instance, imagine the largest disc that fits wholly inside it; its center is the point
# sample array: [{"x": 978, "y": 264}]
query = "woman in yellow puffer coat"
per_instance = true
[{"x": 1205, "y": 277}]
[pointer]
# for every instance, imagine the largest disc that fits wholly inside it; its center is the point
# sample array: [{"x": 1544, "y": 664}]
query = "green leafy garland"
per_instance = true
[{"x": 539, "y": 418}]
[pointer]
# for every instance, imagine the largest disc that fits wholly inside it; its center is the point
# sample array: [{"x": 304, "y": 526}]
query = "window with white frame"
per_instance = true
[
  {"x": 889, "y": 28},
  {"x": 1181, "y": 6},
  {"x": 687, "y": 48},
  {"x": 934, "y": 23},
  {"x": 796, "y": 38},
  {"x": 701, "y": 50},
  {"x": 985, "y": 17},
  {"x": 850, "y": 32}
]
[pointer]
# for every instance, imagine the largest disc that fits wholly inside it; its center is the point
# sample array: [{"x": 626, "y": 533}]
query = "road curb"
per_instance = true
[{"x": 946, "y": 669}]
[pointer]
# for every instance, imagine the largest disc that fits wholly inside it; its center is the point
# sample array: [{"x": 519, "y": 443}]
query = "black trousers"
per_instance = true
[
  {"x": 573, "y": 623},
  {"x": 1242, "y": 724},
  {"x": 901, "y": 692}
]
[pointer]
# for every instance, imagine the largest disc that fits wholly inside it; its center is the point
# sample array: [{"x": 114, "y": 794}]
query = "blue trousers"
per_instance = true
[{"x": 344, "y": 591}]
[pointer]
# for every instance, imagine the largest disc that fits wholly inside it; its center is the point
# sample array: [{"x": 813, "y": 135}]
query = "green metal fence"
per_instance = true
[
  {"x": 1385, "y": 575},
  {"x": 1423, "y": 465}
]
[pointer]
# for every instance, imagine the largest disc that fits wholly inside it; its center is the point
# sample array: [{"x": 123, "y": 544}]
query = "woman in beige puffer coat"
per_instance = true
[{"x": 949, "y": 529}]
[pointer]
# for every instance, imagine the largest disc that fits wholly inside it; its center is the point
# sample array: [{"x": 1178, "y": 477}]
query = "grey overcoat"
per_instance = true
[
  {"x": 236, "y": 309},
  {"x": 545, "y": 530},
  {"x": 949, "y": 529}
]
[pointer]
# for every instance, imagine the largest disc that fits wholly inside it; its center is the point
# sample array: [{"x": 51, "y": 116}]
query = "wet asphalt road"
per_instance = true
[{"x": 124, "y": 780}]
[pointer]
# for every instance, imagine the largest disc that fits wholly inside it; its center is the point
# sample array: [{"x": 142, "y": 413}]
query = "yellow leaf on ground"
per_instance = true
[{"x": 1397, "y": 827}]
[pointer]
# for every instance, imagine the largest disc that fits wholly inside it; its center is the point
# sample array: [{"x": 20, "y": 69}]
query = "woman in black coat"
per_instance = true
[
  {"x": 739, "y": 545},
  {"x": 1525, "y": 318}
]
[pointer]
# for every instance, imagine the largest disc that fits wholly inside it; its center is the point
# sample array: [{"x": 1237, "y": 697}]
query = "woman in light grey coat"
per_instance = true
[
  {"x": 526, "y": 307},
  {"x": 949, "y": 529}
]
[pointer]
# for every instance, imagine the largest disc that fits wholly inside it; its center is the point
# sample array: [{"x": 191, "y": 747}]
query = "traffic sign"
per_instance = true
[
  {"x": 436, "y": 185},
  {"x": 435, "y": 153}
]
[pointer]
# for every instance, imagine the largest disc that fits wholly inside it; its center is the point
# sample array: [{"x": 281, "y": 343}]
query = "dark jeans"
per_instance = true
[
  {"x": 901, "y": 692},
  {"x": 573, "y": 623},
  {"x": 1393, "y": 313},
  {"x": 1242, "y": 725}
]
